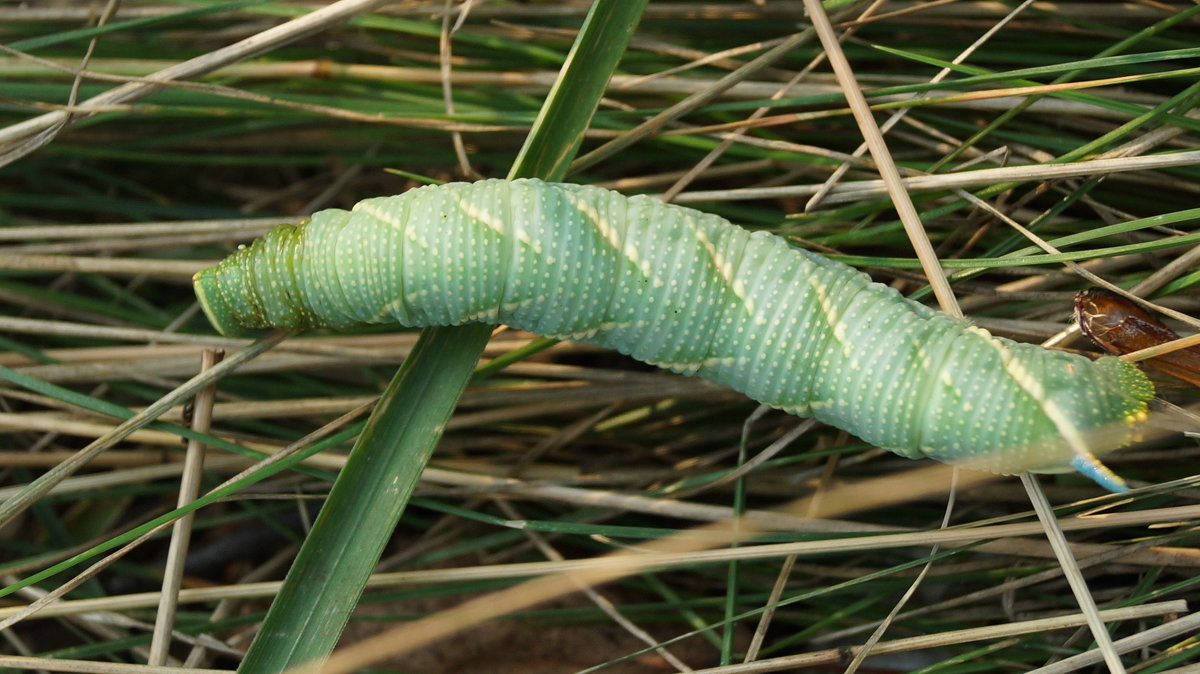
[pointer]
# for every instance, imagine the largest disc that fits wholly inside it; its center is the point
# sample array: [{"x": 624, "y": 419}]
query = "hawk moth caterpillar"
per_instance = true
[{"x": 689, "y": 292}]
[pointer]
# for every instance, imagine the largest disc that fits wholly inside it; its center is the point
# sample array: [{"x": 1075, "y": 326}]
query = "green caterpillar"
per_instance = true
[{"x": 692, "y": 293}]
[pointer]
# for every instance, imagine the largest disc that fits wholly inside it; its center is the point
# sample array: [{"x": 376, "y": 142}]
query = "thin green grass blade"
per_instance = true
[{"x": 370, "y": 494}]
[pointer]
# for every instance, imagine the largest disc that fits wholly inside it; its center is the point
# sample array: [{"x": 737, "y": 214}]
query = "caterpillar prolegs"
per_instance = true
[{"x": 692, "y": 293}]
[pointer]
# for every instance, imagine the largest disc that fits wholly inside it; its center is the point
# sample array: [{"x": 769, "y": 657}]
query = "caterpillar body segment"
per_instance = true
[{"x": 692, "y": 293}]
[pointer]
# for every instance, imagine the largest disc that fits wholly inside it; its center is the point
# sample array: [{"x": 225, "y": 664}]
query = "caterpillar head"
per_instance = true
[
  {"x": 222, "y": 311},
  {"x": 254, "y": 289}
]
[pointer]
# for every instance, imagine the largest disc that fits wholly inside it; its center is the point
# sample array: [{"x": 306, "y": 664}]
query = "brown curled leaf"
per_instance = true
[{"x": 1119, "y": 326}]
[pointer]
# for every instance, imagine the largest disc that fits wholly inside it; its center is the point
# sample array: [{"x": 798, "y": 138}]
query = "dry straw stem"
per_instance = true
[
  {"x": 181, "y": 530},
  {"x": 343, "y": 346},
  {"x": 28, "y": 664},
  {"x": 98, "y": 363},
  {"x": 247, "y": 227},
  {"x": 987, "y": 99},
  {"x": 856, "y": 190},
  {"x": 838, "y": 655},
  {"x": 179, "y": 271},
  {"x": 1175, "y": 345}
]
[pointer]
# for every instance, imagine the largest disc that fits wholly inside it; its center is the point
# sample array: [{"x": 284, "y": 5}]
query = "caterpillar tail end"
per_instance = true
[
  {"x": 217, "y": 307},
  {"x": 1135, "y": 392},
  {"x": 1090, "y": 466}
]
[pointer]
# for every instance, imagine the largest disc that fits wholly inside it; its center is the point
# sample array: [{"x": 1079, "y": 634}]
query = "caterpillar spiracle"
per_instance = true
[{"x": 689, "y": 292}]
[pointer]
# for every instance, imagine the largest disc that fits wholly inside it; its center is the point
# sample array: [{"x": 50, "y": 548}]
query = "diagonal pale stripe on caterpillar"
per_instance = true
[{"x": 689, "y": 292}]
